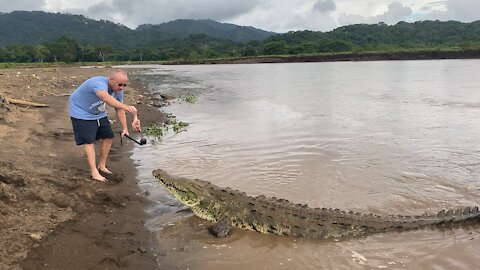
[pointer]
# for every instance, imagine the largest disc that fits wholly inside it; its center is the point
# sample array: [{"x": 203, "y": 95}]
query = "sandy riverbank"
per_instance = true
[{"x": 52, "y": 215}]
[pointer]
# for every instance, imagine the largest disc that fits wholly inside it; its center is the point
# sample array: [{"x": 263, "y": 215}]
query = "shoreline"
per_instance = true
[{"x": 53, "y": 216}]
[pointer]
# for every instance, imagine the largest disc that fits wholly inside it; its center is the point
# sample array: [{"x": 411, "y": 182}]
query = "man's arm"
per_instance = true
[
  {"x": 111, "y": 101},
  {"x": 123, "y": 120},
  {"x": 120, "y": 109}
]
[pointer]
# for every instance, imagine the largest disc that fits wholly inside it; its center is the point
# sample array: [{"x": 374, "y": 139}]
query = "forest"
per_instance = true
[{"x": 86, "y": 40}]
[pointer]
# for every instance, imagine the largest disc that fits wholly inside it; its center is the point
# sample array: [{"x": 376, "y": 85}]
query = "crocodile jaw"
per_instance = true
[{"x": 179, "y": 188}]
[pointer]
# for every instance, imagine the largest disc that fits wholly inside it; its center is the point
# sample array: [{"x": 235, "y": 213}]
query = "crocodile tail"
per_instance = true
[
  {"x": 444, "y": 218},
  {"x": 459, "y": 215}
]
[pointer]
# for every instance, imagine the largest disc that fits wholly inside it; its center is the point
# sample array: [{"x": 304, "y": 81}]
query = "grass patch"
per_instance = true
[
  {"x": 160, "y": 130},
  {"x": 190, "y": 98}
]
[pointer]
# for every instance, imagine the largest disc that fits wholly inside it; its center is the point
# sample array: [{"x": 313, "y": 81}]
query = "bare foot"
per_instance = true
[
  {"x": 104, "y": 170},
  {"x": 99, "y": 178}
]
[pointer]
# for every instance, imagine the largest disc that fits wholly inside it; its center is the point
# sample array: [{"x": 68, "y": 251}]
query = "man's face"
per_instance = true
[{"x": 118, "y": 82}]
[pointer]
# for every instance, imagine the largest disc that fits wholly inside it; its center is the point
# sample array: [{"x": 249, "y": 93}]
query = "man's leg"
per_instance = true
[
  {"x": 90, "y": 154},
  {"x": 105, "y": 146}
]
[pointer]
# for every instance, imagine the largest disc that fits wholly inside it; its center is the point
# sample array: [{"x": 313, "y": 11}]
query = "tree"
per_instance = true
[
  {"x": 249, "y": 52},
  {"x": 20, "y": 53},
  {"x": 334, "y": 46},
  {"x": 41, "y": 52},
  {"x": 275, "y": 48},
  {"x": 64, "y": 49},
  {"x": 103, "y": 51},
  {"x": 3, "y": 55},
  {"x": 87, "y": 53}
]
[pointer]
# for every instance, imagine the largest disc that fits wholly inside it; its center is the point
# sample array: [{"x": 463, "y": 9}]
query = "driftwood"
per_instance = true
[
  {"x": 8, "y": 100},
  {"x": 56, "y": 95}
]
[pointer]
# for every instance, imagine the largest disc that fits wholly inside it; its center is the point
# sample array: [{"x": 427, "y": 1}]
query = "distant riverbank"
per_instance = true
[{"x": 364, "y": 56}]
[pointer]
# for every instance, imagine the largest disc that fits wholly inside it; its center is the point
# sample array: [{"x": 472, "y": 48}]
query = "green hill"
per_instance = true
[
  {"x": 31, "y": 28},
  {"x": 403, "y": 36},
  {"x": 184, "y": 27},
  {"x": 36, "y": 27}
]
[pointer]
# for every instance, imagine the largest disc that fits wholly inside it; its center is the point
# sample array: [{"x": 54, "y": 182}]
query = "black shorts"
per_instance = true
[{"x": 88, "y": 131}]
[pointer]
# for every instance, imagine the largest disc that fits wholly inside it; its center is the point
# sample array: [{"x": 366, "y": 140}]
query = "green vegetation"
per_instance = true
[
  {"x": 39, "y": 37},
  {"x": 153, "y": 130},
  {"x": 190, "y": 98},
  {"x": 158, "y": 131},
  {"x": 177, "y": 126}
]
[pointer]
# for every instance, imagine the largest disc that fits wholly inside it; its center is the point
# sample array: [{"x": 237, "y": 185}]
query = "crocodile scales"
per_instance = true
[{"x": 281, "y": 217}]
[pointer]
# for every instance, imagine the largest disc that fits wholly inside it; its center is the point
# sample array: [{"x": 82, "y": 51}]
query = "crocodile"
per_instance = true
[{"x": 270, "y": 215}]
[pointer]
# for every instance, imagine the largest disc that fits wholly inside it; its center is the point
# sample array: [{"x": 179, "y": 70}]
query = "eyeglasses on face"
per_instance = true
[{"x": 122, "y": 84}]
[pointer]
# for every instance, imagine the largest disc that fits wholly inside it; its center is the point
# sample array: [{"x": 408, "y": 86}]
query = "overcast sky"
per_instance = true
[{"x": 272, "y": 15}]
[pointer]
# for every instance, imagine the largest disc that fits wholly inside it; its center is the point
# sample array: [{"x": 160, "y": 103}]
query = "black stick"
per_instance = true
[{"x": 141, "y": 142}]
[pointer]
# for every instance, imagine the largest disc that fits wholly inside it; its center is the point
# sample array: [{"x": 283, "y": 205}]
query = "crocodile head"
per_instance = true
[
  {"x": 188, "y": 191},
  {"x": 194, "y": 193}
]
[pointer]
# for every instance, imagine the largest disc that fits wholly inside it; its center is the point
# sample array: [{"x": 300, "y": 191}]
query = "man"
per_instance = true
[{"x": 87, "y": 106}]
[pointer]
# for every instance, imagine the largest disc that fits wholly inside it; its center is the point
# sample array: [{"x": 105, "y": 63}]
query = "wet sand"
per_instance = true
[{"x": 53, "y": 216}]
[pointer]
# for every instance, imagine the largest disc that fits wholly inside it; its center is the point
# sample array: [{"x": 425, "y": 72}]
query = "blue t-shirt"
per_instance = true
[{"x": 85, "y": 104}]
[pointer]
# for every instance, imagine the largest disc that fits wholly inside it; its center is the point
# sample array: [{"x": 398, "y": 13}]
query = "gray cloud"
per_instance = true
[
  {"x": 133, "y": 13},
  {"x": 347, "y": 19},
  {"x": 312, "y": 22},
  {"x": 464, "y": 10},
  {"x": 28, "y": 5},
  {"x": 324, "y": 6},
  {"x": 396, "y": 12},
  {"x": 102, "y": 10},
  {"x": 429, "y": 6},
  {"x": 287, "y": 15},
  {"x": 458, "y": 10}
]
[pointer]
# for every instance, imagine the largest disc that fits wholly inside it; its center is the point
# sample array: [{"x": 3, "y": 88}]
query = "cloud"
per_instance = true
[
  {"x": 286, "y": 15},
  {"x": 27, "y": 5},
  {"x": 464, "y": 10},
  {"x": 348, "y": 19},
  {"x": 396, "y": 12},
  {"x": 312, "y": 22},
  {"x": 133, "y": 13},
  {"x": 458, "y": 10},
  {"x": 434, "y": 6},
  {"x": 324, "y": 6},
  {"x": 65, "y": 5}
]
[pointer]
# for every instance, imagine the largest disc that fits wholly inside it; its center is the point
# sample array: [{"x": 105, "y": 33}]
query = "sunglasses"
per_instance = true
[{"x": 122, "y": 84}]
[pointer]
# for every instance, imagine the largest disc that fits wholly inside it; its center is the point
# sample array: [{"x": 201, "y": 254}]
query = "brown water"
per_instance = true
[{"x": 398, "y": 137}]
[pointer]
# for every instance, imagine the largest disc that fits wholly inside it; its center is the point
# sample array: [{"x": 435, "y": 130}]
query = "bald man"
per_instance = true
[{"x": 87, "y": 106}]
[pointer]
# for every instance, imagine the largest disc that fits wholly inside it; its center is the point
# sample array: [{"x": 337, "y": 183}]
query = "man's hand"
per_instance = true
[
  {"x": 132, "y": 110},
  {"x": 136, "y": 124},
  {"x": 125, "y": 132}
]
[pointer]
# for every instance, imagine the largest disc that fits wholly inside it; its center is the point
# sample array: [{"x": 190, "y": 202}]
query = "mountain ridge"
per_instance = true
[{"x": 35, "y": 27}]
